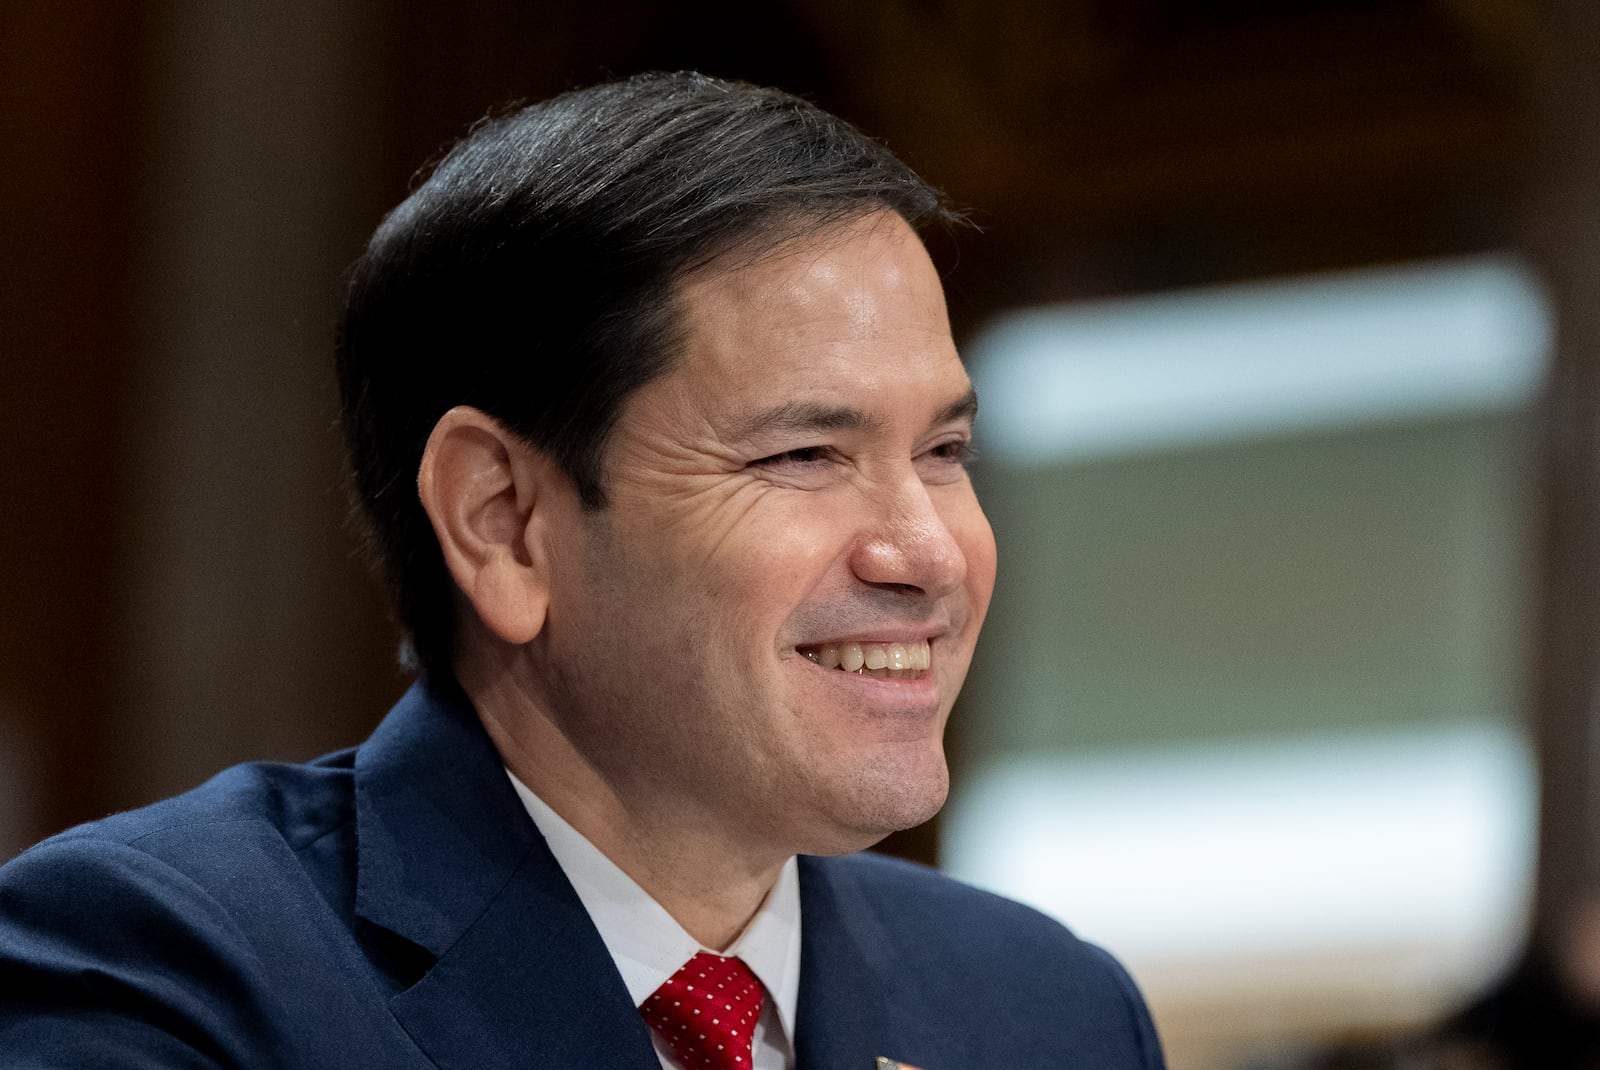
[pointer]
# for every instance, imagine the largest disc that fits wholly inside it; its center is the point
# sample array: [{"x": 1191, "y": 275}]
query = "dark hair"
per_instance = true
[{"x": 532, "y": 275}]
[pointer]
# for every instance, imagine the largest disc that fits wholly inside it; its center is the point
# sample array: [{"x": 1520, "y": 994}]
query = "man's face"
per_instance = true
[{"x": 791, "y": 491}]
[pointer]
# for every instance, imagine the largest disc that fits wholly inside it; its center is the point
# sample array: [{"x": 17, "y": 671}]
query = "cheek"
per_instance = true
[
  {"x": 773, "y": 563},
  {"x": 982, "y": 560},
  {"x": 970, "y": 529}
]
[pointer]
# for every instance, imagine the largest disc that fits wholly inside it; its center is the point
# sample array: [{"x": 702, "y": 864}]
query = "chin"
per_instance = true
[{"x": 888, "y": 798}]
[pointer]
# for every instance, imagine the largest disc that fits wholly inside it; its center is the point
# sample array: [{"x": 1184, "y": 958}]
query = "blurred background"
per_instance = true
[{"x": 1284, "y": 318}]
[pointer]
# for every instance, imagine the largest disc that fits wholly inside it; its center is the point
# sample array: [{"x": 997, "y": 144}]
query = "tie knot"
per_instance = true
[{"x": 706, "y": 1012}]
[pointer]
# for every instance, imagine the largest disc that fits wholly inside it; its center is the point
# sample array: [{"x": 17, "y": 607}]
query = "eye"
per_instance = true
[
  {"x": 956, "y": 451},
  {"x": 804, "y": 456}
]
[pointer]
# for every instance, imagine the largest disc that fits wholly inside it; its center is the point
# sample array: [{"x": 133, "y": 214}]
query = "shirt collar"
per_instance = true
[{"x": 647, "y": 944}]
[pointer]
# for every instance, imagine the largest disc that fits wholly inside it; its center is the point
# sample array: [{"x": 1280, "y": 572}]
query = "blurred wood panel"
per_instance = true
[
  {"x": 68, "y": 166},
  {"x": 1565, "y": 234}
]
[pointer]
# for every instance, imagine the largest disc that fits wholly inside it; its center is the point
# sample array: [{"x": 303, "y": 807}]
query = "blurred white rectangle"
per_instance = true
[
  {"x": 1141, "y": 373},
  {"x": 1414, "y": 848}
]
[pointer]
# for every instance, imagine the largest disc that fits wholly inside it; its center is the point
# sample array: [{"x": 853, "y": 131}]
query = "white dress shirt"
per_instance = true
[{"x": 649, "y": 946}]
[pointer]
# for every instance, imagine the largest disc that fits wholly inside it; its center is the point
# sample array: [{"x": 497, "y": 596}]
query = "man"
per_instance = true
[{"x": 654, "y": 410}]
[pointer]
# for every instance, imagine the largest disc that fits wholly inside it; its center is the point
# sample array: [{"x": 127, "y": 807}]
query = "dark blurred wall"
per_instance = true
[
  {"x": 245, "y": 627},
  {"x": 1565, "y": 235},
  {"x": 185, "y": 183},
  {"x": 69, "y": 135}
]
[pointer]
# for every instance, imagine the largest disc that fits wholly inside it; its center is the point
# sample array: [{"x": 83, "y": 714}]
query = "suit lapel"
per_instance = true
[
  {"x": 449, "y": 860},
  {"x": 856, "y": 1003}
]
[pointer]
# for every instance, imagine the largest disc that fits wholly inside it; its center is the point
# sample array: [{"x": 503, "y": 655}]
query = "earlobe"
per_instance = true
[
  {"x": 480, "y": 486},
  {"x": 509, "y": 598}
]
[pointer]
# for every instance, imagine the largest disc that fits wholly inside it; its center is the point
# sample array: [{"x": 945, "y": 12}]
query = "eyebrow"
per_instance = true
[
  {"x": 964, "y": 407},
  {"x": 799, "y": 416}
]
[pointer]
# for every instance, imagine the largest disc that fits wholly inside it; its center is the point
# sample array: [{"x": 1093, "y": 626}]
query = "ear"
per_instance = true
[{"x": 481, "y": 487}]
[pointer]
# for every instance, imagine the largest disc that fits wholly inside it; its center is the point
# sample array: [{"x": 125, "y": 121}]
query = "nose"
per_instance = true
[{"x": 908, "y": 545}]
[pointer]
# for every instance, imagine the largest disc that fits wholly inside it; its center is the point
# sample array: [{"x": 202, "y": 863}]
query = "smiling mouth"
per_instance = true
[{"x": 892, "y": 661}]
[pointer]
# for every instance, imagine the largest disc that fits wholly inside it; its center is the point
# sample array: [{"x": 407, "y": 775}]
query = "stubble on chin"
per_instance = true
[{"x": 886, "y": 793}]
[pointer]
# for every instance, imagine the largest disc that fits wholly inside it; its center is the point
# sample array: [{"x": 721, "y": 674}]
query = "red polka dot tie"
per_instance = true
[{"x": 706, "y": 1012}]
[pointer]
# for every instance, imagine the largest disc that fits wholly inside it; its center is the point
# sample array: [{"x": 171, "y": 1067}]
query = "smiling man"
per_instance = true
[{"x": 657, "y": 421}]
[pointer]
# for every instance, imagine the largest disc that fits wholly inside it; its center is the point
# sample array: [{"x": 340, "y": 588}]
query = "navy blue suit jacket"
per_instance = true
[{"x": 393, "y": 906}]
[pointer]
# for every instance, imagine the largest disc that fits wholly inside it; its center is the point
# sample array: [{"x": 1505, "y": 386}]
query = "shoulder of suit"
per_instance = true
[
  {"x": 917, "y": 895},
  {"x": 292, "y": 805},
  {"x": 931, "y": 925}
]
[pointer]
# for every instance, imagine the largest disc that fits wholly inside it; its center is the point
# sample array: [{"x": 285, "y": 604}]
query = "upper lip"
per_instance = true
[
  {"x": 902, "y": 640},
  {"x": 899, "y": 633}
]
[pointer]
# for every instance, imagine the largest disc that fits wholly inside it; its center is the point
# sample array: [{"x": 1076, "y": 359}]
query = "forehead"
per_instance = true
[{"x": 856, "y": 310}]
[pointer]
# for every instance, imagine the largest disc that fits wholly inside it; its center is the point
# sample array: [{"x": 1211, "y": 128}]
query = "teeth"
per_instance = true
[{"x": 894, "y": 660}]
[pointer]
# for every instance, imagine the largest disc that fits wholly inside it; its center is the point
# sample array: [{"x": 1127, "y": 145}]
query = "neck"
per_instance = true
[
  {"x": 714, "y": 909},
  {"x": 703, "y": 874}
]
